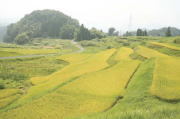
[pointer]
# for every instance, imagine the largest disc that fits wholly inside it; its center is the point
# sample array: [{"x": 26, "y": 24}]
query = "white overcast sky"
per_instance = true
[{"x": 101, "y": 14}]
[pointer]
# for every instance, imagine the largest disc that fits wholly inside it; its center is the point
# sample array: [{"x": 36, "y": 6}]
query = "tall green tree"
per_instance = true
[
  {"x": 83, "y": 34},
  {"x": 97, "y": 33},
  {"x": 111, "y": 31},
  {"x": 67, "y": 32},
  {"x": 139, "y": 32},
  {"x": 145, "y": 33},
  {"x": 127, "y": 33},
  {"x": 168, "y": 32},
  {"x": 22, "y": 38}
]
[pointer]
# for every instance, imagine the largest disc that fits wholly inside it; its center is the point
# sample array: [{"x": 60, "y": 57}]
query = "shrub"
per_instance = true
[
  {"x": 126, "y": 44},
  {"x": 22, "y": 38},
  {"x": 2, "y": 86},
  {"x": 177, "y": 40},
  {"x": 88, "y": 43}
]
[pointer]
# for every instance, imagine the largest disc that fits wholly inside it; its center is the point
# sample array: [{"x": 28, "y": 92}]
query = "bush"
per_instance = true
[
  {"x": 2, "y": 86},
  {"x": 88, "y": 43},
  {"x": 22, "y": 38},
  {"x": 126, "y": 44},
  {"x": 177, "y": 40}
]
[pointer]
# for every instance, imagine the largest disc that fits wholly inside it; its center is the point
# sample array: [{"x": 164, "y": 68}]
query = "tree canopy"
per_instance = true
[
  {"x": 43, "y": 23},
  {"x": 83, "y": 34},
  {"x": 141, "y": 32},
  {"x": 112, "y": 32},
  {"x": 168, "y": 32}
]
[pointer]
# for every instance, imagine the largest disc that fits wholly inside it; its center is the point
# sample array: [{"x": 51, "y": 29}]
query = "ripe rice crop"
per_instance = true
[
  {"x": 166, "y": 79},
  {"x": 166, "y": 74},
  {"x": 96, "y": 91},
  {"x": 74, "y": 58},
  {"x": 149, "y": 53},
  {"x": 110, "y": 82},
  {"x": 8, "y": 100},
  {"x": 107, "y": 82},
  {"x": 7, "y": 96},
  {"x": 26, "y": 51},
  {"x": 60, "y": 78},
  {"x": 165, "y": 45},
  {"x": 57, "y": 105},
  {"x": 9, "y": 92}
]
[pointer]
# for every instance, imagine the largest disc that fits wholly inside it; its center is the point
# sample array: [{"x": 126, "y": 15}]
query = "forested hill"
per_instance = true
[
  {"x": 2, "y": 32},
  {"x": 41, "y": 23}
]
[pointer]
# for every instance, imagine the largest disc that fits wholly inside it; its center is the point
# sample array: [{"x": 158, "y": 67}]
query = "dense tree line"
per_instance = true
[
  {"x": 49, "y": 24},
  {"x": 128, "y": 33},
  {"x": 141, "y": 32},
  {"x": 85, "y": 34},
  {"x": 163, "y": 31},
  {"x": 168, "y": 32},
  {"x": 112, "y": 32},
  {"x": 54, "y": 24}
]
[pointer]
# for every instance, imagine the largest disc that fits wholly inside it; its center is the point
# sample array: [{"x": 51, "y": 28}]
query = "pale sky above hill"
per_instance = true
[{"x": 101, "y": 14}]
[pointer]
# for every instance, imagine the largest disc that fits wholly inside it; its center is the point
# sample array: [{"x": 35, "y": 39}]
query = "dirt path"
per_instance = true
[{"x": 81, "y": 49}]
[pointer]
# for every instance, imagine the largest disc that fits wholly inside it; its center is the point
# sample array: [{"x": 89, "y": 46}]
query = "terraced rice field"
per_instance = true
[
  {"x": 165, "y": 45},
  {"x": 101, "y": 85},
  {"x": 8, "y": 96},
  {"x": 7, "y": 52},
  {"x": 166, "y": 78},
  {"x": 166, "y": 81},
  {"x": 149, "y": 53},
  {"x": 165, "y": 48},
  {"x": 109, "y": 82},
  {"x": 60, "y": 78},
  {"x": 80, "y": 91}
]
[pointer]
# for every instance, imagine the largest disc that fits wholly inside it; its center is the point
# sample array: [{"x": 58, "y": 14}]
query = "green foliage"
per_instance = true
[
  {"x": 22, "y": 38},
  {"x": 40, "y": 23},
  {"x": 177, "y": 40},
  {"x": 162, "y": 31},
  {"x": 97, "y": 33},
  {"x": 12, "y": 32},
  {"x": 2, "y": 86},
  {"x": 140, "y": 32},
  {"x": 14, "y": 73},
  {"x": 112, "y": 32},
  {"x": 83, "y": 34},
  {"x": 2, "y": 32},
  {"x": 168, "y": 32},
  {"x": 68, "y": 32},
  {"x": 128, "y": 34}
]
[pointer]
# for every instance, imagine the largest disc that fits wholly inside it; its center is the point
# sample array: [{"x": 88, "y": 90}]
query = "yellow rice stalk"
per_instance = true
[
  {"x": 57, "y": 79},
  {"x": 165, "y": 45},
  {"x": 166, "y": 81},
  {"x": 149, "y": 53},
  {"x": 96, "y": 92},
  {"x": 8, "y": 100},
  {"x": 25, "y": 51},
  {"x": 9, "y": 92}
]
